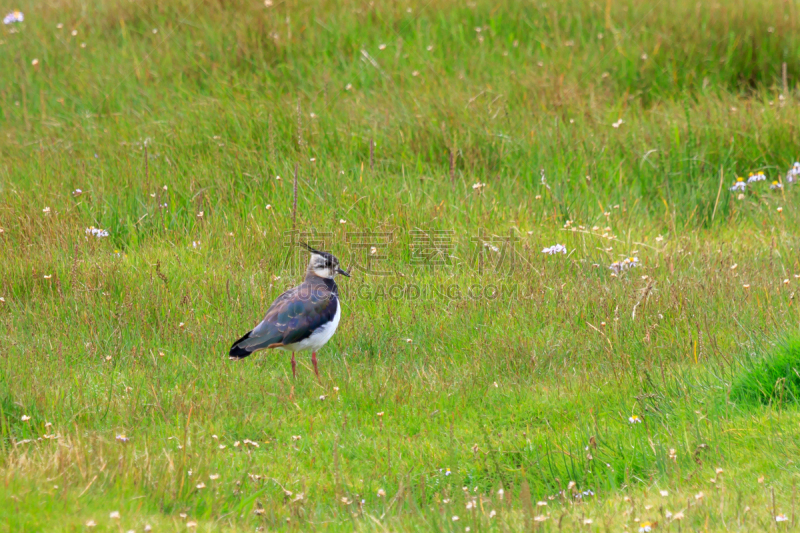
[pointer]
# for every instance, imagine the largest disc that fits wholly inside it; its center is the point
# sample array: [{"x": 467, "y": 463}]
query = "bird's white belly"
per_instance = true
[{"x": 320, "y": 336}]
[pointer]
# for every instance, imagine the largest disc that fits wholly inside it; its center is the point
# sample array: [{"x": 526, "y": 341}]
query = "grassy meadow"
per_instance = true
[{"x": 475, "y": 383}]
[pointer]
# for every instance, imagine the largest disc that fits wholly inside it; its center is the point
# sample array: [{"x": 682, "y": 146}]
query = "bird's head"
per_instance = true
[{"x": 323, "y": 264}]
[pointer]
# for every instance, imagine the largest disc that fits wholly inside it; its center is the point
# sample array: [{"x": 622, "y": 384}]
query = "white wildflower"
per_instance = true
[
  {"x": 794, "y": 173},
  {"x": 97, "y": 232},
  {"x": 14, "y": 16},
  {"x": 555, "y": 249},
  {"x": 625, "y": 264},
  {"x": 739, "y": 185}
]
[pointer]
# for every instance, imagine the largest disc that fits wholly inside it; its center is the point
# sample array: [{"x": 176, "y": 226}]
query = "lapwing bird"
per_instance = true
[{"x": 303, "y": 318}]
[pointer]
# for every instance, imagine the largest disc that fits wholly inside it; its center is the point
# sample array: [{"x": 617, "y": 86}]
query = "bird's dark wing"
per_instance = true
[
  {"x": 292, "y": 317},
  {"x": 266, "y": 333},
  {"x": 304, "y": 318}
]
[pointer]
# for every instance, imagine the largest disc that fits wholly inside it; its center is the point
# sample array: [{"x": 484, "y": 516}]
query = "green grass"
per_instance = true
[
  {"x": 773, "y": 379},
  {"x": 522, "y": 376}
]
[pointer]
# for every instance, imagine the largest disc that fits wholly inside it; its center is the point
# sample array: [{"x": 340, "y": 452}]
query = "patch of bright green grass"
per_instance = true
[{"x": 775, "y": 379}]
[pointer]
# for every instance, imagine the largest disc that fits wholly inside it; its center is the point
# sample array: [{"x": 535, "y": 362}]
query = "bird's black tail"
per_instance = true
[{"x": 237, "y": 352}]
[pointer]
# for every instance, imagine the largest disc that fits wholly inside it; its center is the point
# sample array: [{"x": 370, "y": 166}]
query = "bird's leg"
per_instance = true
[
  {"x": 294, "y": 367},
  {"x": 314, "y": 362}
]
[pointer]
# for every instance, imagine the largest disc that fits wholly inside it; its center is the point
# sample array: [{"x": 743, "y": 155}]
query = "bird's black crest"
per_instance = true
[
  {"x": 330, "y": 259},
  {"x": 310, "y": 249}
]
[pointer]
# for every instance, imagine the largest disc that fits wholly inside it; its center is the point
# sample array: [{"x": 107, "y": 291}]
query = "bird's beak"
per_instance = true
[{"x": 342, "y": 272}]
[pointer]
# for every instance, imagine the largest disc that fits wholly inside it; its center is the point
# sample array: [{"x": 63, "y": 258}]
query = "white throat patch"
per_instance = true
[
  {"x": 321, "y": 267},
  {"x": 323, "y": 272}
]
